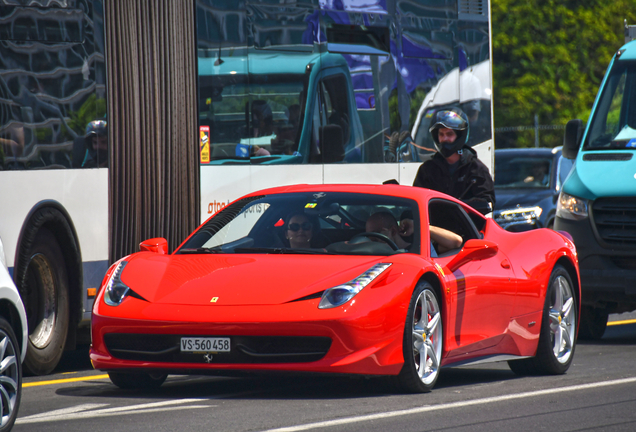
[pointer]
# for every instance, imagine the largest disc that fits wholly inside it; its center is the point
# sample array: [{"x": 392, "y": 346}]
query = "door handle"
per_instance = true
[{"x": 505, "y": 264}]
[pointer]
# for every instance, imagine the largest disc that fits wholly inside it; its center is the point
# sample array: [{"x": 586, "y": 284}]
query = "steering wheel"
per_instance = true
[{"x": 382, "y": 237}]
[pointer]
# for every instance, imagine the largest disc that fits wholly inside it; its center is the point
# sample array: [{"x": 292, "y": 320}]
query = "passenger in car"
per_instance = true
[
  {"x": 299, "y": 231},
  {"x": 442, "y": 240},
  {"x": 385, "y": 223}
]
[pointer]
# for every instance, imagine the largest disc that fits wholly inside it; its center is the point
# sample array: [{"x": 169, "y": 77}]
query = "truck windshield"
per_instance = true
[
  {"x": 255, "y": 119},
  {"x": 613, "y": 125}
]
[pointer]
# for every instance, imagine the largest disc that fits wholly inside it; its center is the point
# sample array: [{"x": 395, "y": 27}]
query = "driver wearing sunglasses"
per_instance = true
[{"x": 299, "y": 231}]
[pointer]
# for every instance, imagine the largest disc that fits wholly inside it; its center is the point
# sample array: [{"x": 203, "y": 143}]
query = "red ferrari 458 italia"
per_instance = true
[{"x": 349, "y": 279}]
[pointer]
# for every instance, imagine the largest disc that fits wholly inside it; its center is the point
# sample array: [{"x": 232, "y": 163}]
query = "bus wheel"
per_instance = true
[{"x": 45, "y": 296}]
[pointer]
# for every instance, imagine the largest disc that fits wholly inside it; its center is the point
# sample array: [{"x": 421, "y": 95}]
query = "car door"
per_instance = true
[{"x": 481, "y": 294}]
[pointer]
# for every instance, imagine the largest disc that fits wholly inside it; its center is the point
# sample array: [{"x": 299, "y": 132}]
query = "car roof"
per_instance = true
[{"x": 415, "y": 193}]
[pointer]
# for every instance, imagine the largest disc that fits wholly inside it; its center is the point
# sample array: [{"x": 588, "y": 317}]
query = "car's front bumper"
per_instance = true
[{"x": 362, "y": 341}]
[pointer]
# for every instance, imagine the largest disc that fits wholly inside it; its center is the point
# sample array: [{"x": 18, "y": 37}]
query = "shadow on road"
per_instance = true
[
  {"x": 299, "y": 386},
  {"x": 282, "y": 386}
]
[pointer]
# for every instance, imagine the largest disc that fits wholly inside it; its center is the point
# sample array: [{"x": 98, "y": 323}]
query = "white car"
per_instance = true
[{"x": 13, "y": 338}]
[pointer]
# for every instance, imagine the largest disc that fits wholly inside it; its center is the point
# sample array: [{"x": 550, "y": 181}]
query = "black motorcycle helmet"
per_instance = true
[
  {"x": 454, "y": 119},
  {"x": 96, "y": 128}
]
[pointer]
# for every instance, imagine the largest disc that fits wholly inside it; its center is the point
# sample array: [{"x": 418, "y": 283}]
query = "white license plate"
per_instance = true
[{"x": 204, "y": 344}]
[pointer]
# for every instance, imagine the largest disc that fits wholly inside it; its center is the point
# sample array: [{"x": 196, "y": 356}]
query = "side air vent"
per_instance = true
[
  {"x": 607, "y": 156},
  {"x": 472, "y": 10}
]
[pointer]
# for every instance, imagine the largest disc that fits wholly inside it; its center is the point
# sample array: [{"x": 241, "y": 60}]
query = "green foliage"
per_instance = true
[{"x": 549, "y": 58}]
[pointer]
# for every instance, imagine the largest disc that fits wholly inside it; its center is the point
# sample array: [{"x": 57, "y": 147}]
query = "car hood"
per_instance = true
[
  {"x": 261, "y": 279},
  {"x": 590, "y": 179},
  {"x": 510, "y": 198}
]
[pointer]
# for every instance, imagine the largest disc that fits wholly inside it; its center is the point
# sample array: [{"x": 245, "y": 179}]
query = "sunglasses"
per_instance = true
[{"x": 306, "y": 226}]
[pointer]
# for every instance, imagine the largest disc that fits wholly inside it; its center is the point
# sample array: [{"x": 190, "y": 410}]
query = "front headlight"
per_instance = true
[
  {"x": 518, "y": 215},
  {"x": 339, "y": 295},
  {"x": 571, "y": 207},
  {"x": 116, "y": 290}
]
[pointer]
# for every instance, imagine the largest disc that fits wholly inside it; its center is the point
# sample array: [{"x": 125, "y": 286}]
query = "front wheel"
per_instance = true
[
  {"x": 137, "y": 380},
  {"x": 557, "y": 339},
  {"x": 10, "y": 376},
  {"x": 422, "y": 343}
]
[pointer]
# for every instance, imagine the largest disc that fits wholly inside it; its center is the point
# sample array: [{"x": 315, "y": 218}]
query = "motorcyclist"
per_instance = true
[
  {"x": 96, "y": 139},
  {"x": 455, "y": 168}
]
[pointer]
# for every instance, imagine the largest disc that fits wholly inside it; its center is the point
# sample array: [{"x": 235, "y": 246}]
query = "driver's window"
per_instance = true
[{"x": 451, "y": 216}]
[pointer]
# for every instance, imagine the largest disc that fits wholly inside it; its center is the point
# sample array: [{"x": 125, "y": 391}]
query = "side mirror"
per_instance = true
[
  {"x": 572, "y": 138},
  {"x": 473, "y": 250},
  {"x": 157, "y": 245}
]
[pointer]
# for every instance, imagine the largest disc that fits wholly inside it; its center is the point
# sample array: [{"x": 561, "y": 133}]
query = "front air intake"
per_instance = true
[{"x": 615, "y": 220}]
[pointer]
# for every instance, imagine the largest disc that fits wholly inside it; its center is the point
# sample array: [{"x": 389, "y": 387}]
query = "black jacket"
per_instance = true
[{"x": 471, "y": 182}]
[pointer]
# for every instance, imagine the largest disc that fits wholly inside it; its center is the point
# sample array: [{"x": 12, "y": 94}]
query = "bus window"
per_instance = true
[{"x": 53, "y": 73}]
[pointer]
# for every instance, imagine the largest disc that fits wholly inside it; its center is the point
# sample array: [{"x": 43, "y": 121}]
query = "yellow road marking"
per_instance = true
[
  {"x": 67, "y": 380},
  {"x": 612, "y": 323}
]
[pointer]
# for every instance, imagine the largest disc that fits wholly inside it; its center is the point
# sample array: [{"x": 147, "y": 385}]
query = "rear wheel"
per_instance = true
[
  {"x": 137, "y": 380},
  {"x": 45, "y": 296},
  {"x": 593, "y": 323},
  {"x": 10, "y": 376},
  {"x": 422, "y": 344},
  {"x": 557, "y": 339}
]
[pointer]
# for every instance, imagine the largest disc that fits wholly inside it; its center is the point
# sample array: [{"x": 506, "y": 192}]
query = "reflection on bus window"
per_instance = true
[
  {"x": 53, "y": 77},
  {"x": 364, "y": 79}
]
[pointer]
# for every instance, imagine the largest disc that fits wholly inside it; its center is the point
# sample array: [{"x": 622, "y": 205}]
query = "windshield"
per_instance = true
[
  {"x": 514, "y": 171},
  {"x": 251, "y": 120},
  {"x": 614, "y": 123},
  {"x": 304, "y": 223}
]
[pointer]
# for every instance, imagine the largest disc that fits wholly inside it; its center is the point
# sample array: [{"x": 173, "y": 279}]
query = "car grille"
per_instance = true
[
  {"x": 244, "y": 349},
  {"x": 615, "y": 220}
]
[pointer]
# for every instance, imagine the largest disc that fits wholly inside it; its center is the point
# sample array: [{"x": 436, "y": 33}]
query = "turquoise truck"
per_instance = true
[{"x": 597, "y": 204}]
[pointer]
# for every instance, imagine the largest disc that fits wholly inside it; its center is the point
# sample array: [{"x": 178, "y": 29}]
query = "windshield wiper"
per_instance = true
[{"x": 201, "y": 250}]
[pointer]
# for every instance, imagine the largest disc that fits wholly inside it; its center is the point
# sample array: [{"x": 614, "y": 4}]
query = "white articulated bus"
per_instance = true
[{"x": 306, "y": 91}]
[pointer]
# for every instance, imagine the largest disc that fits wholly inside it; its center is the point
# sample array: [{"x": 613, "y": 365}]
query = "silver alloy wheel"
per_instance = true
[
  {"x": 9, "y": 379},
  {"x": 562, "y": 319},
  {"x": 427, "y": 336},
  {"x": 43, "y": 321}
]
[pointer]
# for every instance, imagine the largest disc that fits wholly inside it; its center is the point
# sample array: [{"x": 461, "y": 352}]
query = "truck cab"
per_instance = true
[
  {"x": 597, "y": 204},
  {"x": 279, "y": 108}
]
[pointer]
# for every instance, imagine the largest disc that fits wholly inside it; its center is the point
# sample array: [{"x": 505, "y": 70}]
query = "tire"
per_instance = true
[
  {"x": 137, "y": 380},
  {"x": 422, "y": 343},
  {"x": 557, "y": 340},
  {"x": 593, "y": 323},
  {"x": 45, "y": 297},
  {"x": 10, "y": 376}
]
